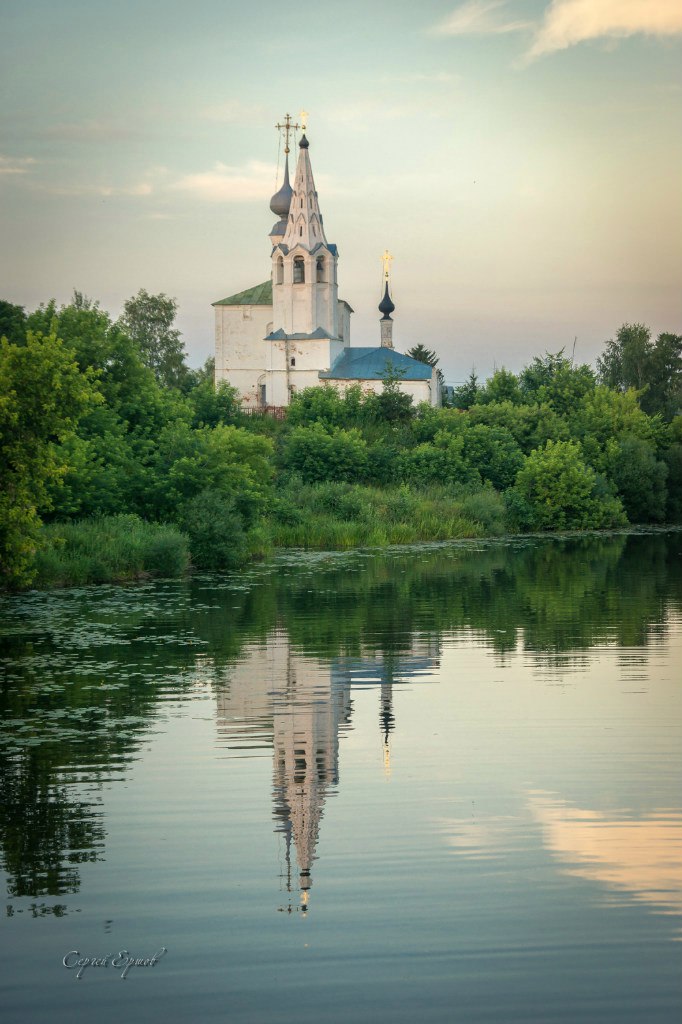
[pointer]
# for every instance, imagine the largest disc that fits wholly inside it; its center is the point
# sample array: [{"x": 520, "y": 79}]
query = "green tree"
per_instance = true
[
  {"x": 632, "y": 360},
  {"x": 12, "y": 322},
  {"x": 225, "y": 459},
  {"x": 556, "y": 382},
  {"x": 326, "y": 405},
  {"x": 440, "y": 462},
  {"x": 467, "y": 393},
  {"x": 149, "y": 319},
  {"x": 392, "y": 404},
  {"x": 563, "y": 492},
  {"x": 42, "y": 396},
  {"x": 319, "y": 454},
  {"x": 426, "y": 355},
  {"x": 503, "y": 386},
  {"x": 215, "y": 529},
  {"x": 641, "y": 480}
]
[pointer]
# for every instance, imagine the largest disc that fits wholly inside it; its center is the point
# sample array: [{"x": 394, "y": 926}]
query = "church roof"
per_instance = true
[
  {"x": 318, "y": 333},
  {"x": 372, "y": 364},
  {"x": 259, "y": 295}
]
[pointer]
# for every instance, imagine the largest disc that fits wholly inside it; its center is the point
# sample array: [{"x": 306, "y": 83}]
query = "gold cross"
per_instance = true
[
  {"x": 386, "y": 260},
  {"x": 287, "y": 128}
]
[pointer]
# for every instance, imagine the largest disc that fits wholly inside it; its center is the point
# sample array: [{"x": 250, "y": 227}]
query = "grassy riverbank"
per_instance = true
[
  {"x": 109, "y": 549},
  {"x": 330, "y": 516}
]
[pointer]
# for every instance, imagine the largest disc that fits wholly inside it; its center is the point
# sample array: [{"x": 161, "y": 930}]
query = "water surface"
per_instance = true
[{"x": 437, "y": 784}]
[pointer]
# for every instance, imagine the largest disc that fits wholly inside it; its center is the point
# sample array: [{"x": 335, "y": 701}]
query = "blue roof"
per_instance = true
[{"x": 372, "y": 364}]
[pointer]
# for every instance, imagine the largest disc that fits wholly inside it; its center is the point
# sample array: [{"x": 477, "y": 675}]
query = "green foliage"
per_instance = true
[
  {"x": 215, "y": 530},
  {"x": 467, "y": 394},
  {"x": 556, "y": 382},
  {"x": 503, "y": 386},
  {"x": 149, "y": 319},
  {"x": 326, "y": 405},
  {"x": 603, "y": 418},
  {"x": 641, "y": 480},
  {"x": 341, "y": 515},
  {"x": 631, "y": 360},
  {"x": 485, "y": 506},
  {"x": 12, "y": 323},
  {"x": 319, "y": 454},
  {"x": 42, "y": 397},
  {"x": 439, "y": 462},
  {"x": 426, "y": 355},
  {"x": 392, "y": 405},
  {"x": 213, "y": 404},
  {"x": 563, "y": 492},
  {"x": 109, "y": 549},
  {"x": 531, "y": 426},
  {"x": 225, "y": 459}
]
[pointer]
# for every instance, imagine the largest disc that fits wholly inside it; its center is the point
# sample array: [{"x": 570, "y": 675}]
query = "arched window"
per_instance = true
[
  {"x": 320, "y": 270},
  {"x": 299, "y": 270},
  {"x": 300, "y": 231},
  {"x": 280, "y": 271},
  {"x": 293, "y": 360}
]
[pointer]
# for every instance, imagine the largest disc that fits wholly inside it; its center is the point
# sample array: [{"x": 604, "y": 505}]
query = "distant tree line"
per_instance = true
[{"x": 103, "y": 418}]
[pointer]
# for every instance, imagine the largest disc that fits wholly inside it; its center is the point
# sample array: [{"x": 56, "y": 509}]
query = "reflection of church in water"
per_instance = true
[{"x": 300, "y": 705}]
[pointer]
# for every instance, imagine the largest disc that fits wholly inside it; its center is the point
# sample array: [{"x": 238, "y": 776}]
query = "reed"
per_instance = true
[
  {"x": 341, "y": 516},
  {"x": 105, "y": 549}
]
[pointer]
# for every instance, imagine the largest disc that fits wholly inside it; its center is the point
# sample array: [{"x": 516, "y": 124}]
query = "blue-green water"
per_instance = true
[{"x": 438, "y": 785}]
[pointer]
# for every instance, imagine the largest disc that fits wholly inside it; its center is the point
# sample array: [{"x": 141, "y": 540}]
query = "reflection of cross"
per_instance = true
[
  {"x": 287, "y": 128},
  {"x": 386, "y": 260}
]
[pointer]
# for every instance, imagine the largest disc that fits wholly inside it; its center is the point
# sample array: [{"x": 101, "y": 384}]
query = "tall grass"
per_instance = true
[
  {"x": 107, "y": 549},
  {"x": 341, "y": 516}
]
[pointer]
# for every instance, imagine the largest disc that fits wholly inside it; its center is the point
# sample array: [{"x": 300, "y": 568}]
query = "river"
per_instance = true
[{"x": 429, "y": 784}]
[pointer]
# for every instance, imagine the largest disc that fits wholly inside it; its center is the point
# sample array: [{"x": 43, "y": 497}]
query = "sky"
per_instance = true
[{"x": 520, "y": 159}]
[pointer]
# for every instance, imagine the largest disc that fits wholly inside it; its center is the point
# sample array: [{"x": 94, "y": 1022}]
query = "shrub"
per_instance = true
[
  {"x": 562, "y": 491},
  {"x": 216, "y": 532},
  {"x": 319, "y": 454}
]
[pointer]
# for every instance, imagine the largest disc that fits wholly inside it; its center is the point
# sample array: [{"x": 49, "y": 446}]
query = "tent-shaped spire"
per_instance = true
[{"x": 304, "y": 226}]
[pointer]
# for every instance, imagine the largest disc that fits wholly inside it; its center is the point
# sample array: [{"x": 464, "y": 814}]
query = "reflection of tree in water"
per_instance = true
[
  {"x": 84, "y": 671},
  {"x": 45, "y": 832}
]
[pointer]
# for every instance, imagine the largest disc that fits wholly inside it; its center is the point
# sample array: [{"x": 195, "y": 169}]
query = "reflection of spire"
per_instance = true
[
  {"x": 308, "y": 711},
  {"x": 387, "y": 720}
]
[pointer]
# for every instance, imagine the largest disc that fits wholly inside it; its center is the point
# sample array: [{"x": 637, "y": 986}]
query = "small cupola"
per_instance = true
[{"x": 386, "y": 306}]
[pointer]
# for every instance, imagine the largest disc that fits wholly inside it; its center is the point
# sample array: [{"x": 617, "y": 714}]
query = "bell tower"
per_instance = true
[{"x": 304, "y": 264}]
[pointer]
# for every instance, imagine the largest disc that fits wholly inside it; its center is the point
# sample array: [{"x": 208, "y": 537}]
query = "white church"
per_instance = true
[{"x": 292, "y": 331}]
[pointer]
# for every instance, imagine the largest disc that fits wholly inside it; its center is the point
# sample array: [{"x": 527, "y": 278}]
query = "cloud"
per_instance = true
[
  {"x": 16, "y": 165},
  {"x": 569, "y": 22},
  {"x": 143, "y": 188},
  {"x": 477, "y": 18},
  {"x": 253, "y": 182}
]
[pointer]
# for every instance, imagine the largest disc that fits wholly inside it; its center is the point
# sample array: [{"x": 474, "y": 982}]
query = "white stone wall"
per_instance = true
[
  {"x": 241, "y": 353},
  {"x": 421, "y": 390},
  {"x": 344, "y": 322}
]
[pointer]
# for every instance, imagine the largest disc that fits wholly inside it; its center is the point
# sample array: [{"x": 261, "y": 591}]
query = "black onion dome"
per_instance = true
[
  {"x": 386, "y": 306},
  {"x": 303, "y": 144},
  {"x": 281, "y": 201}
]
